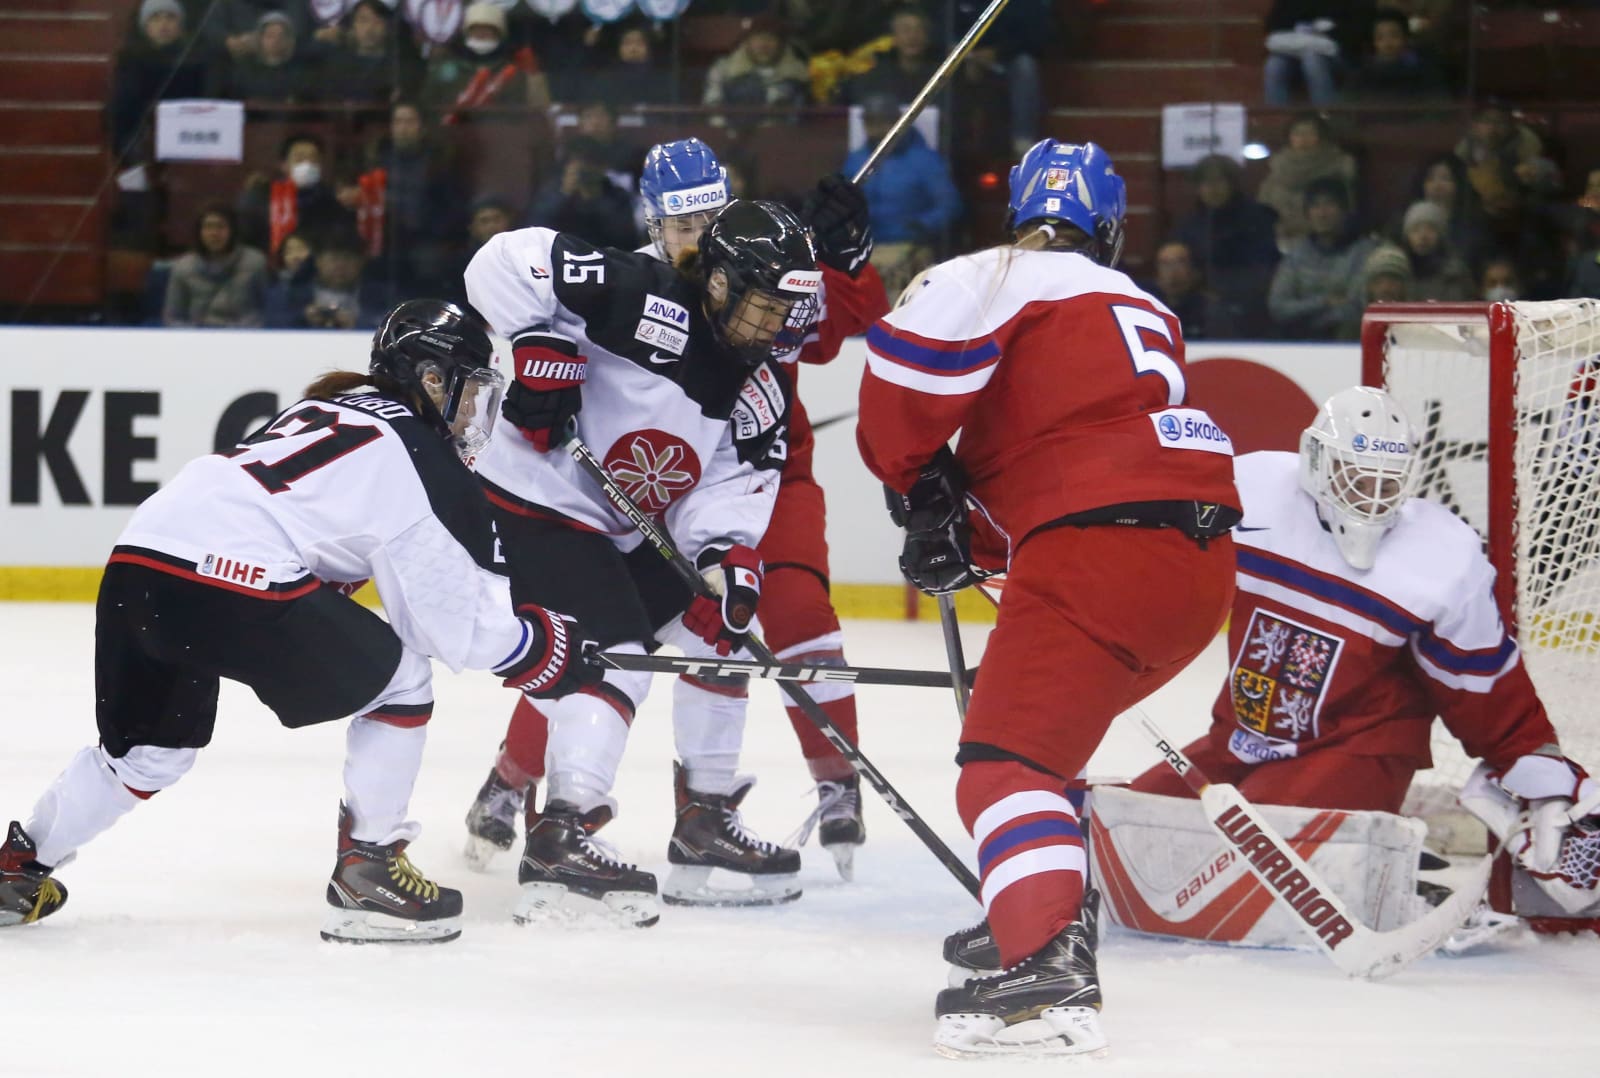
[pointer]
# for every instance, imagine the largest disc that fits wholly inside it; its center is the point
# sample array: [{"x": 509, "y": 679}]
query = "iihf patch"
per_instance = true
[
  {"x": 1280, "y": 676},
  {"x": 1055, "y": 179}
]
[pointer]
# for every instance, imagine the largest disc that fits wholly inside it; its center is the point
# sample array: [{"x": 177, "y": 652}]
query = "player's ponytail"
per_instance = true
[{"x": 337, "y": 383}]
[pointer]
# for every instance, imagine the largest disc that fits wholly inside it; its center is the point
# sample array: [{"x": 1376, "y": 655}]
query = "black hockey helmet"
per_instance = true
[
  {"x": 761, "y": 267},
  {"x": 433, "y": 337}
]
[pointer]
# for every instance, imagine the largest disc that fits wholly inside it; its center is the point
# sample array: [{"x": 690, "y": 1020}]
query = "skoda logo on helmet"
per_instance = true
[
  {"x": 1359, "y": 443},
  {"x": 1170, "y": 429},
  {"x": 674, "y": 202}
]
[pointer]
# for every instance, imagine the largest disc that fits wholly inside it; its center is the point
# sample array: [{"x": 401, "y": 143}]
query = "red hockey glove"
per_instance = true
[
  {"x": 557, "y": 657},
  {"x": 546, "y": 395},
  {"x": 937, "y": 556},
  {"x": 733, "y": 572}
]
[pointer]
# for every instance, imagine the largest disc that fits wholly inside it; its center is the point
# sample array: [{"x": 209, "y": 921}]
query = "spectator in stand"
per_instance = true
[
  {"x": 1312, "y": 37},
  {"x": 219, "y": 283},
  {"x": 902, "y": 71},
  {"x": 825, "y": 25},
  {"x": 1501, "y": 155},
  {"x": 581, "y": 199},
  {"x": 1583, "y": 275},
  {"x": 158, "y": 66},
  {"x": 1442, "y": 180},
  {"x": 1177, "y": 284},
  {"x": 372, "y": 63},
  {"x": 910, "y": 196},
  {"x": 1231, "y": 237},
  {"x": 1500, "y": 282},
  {"x": 1579, "y": 221},
  {"x": 229, "y": 29},
  {"x": 294, "y": 261},
  {"x": 1311, "y": 154},
  {"x": 300, "y": 199},
  {"x": 1437, "y": 272},
  {"x": 273, "y": 71},
  {"x": 1393, "y": 71},
  {"x": 487, "y": 217},
  {"x": 597, "y": 134},
  {"x": 1385, "y": 278},
  {"x": 1024, "y": 31},
  {"x": 763, "y": 70},
  {"x": 483, "y": 67},
  {"x": 1317, "y": 291},
  {"x": 410, "y": 204},
  {"x": 338, "y": 294},
  {"x": 633, "y": 77}
]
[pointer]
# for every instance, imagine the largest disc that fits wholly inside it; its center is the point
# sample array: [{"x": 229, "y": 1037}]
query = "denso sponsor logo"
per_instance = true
[
  {"x": 709, "y": 197},
  {"x": 801, "y": 281},
  {"x": 666, "y": 311},
  {"x": 1362, "y": 444}
]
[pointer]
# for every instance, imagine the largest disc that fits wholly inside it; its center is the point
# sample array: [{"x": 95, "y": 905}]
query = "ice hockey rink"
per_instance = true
[{"x": 189, "y": 944}]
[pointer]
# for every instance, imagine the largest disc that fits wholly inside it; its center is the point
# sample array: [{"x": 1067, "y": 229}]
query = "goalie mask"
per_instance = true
[
  {"x": 443, "y": 355},
  {"x": 761, "y": 280},
  {"x": 682, "y": 188},
  {"x": 1358, "y": 460}
]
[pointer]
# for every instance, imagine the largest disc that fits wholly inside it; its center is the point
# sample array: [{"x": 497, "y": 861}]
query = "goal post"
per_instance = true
[{"x": 1506, "y": 398}]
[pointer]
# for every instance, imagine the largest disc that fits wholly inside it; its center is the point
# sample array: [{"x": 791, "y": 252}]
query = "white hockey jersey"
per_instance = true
[
  {"x": 1323, "y": 654},
  {"x": 342, "y": 490},
  {"x": 693, "y": 435}
]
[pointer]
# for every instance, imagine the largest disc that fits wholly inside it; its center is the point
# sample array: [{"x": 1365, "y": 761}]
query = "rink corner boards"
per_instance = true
[{"x": 889, "y": 602}]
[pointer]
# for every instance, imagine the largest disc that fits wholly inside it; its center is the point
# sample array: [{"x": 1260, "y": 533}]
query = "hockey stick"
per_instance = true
[
  {"x": 776, "y": 671},
  {"x": 953, "y": 652},
  {"x": 1356, "y": 949},
  {"x": 934, "y": 83},
  {"x": 662, "y": 542}
]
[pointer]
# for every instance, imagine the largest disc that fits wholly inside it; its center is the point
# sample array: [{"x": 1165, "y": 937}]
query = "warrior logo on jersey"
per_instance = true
[
  {"x": 654, "y": 467},
  {"x": 1279, "y": 677}
]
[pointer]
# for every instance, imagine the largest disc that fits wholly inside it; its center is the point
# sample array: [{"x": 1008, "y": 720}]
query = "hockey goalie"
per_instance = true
[{"x": 1362, "y": 612}]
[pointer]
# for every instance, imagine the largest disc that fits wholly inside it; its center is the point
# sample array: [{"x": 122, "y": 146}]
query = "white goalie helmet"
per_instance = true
[{"x": 1358, "y": 460}]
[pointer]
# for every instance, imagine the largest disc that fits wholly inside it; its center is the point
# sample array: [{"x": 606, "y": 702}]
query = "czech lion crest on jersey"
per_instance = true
[
  {"x": 1279, "y": 677},
  {"x": 654, "y": 467}
]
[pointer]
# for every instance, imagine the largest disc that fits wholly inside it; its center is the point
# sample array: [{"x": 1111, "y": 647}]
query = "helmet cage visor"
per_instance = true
[
  {"x": 1365, "y": 487},
  {"x": 762, "y": 324},
  {"x": 470, "y": 404},
  {"x": 672, "y": 235}
]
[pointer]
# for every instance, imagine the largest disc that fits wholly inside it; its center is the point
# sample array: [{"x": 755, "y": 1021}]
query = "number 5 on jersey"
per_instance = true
[{"x": 1147, "y": 360}]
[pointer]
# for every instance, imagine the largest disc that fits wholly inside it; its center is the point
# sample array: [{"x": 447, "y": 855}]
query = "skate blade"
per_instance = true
[
  {"x": 366, "y": 926},
  {"x": 555, "y": 903},
  {"x": 844, "y": 859},
  {"x": 479, "y": 853},
  {"x": 1058, "y": 1031},
  {"x": 697, "y": 885}
]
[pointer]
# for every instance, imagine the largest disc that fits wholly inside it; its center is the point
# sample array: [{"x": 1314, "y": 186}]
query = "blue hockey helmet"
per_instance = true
[
  {"x": 684, "y": 180},
  {"x": 1077, "y": 184}
]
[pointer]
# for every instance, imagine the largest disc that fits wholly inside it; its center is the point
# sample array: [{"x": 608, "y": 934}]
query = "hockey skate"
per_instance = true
[
  {"x": 567, "y": 875},
  {"x": 492, "y": 820},
  {"x": 712, "y": 848},
  {"x": 972, "y": 953},
  {"x": 1048, "y": 1004},
  {"x": 378, "y": 896},
  {"x": 842, "y": 826},
  {"x": 27, "y": 893}
]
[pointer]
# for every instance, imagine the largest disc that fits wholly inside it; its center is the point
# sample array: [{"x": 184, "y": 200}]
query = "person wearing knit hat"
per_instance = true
[
  {"x": 154, "y": 65},
  {"x": 169, "y": 21},
  {"x": 483, "y": 66},
  {"x": 479, "y": 20},
  {"x": 1386, "y": 276},
  {"x": 1437, "y": 273}
]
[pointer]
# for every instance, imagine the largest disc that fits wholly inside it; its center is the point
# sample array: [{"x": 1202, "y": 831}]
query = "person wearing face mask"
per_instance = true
[
  {"x": 300, "y": 199},
  {"x": 1500, "y": 283},
  {"x": 484, "y": 66}
]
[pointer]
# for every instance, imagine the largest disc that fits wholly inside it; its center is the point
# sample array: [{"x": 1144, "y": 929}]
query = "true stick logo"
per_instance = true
[
  {"x": 1278, "y": 872},
  {"x": 773, "y": 671}
]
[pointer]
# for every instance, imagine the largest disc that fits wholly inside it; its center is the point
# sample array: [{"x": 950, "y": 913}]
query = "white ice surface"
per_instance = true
[{"x": 189, "y": 945}]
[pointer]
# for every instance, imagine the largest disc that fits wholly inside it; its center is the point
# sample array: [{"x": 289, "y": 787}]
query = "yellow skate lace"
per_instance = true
[
  {"x": 48, "y": 898},
  {"x": 408, "y": 879}
]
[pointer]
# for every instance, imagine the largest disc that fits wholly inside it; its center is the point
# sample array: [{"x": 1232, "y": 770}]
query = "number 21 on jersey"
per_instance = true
[{"x": 1148, "y": 360}]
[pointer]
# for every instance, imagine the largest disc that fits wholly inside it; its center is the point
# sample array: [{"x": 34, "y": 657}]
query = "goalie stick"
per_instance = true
[
  {"x": 774, "y": 671},
  {"x": 1356, "y": 949},
  {"x": 663, "y": 544}
]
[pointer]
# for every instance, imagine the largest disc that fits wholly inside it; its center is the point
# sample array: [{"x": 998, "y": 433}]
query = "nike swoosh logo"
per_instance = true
[
  {"x": 1242, "y": 528},
  {"x": 659, "y": 359}
]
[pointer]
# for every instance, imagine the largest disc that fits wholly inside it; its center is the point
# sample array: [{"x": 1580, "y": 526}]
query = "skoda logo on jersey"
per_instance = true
[
  {"x": 654, "y": 467},
  {"x": 1170, "y": 428}
]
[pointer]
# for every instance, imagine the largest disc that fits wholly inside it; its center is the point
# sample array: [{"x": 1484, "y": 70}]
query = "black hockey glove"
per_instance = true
[
  {"x": 559, "y": 658},
  {"x": 836, "y": 213},
  {"x": 547, "y": 393},
  {"x": 937, "y": 556},
  {"x": 733, "y": 572}
]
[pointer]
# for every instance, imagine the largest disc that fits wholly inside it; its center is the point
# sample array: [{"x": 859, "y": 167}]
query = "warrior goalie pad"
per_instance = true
[{"x": 1163, "y": 870}]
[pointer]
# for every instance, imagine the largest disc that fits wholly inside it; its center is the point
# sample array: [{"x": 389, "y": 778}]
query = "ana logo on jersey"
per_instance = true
[
  {"x": 666, "y": 311},
  {"x": 654, "y": 467},
  {"x": 1362, "y": 444}
]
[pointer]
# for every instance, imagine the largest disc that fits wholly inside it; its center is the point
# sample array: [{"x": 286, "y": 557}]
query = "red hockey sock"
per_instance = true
[
  {"x": 1030, "y": 853},
  {"x": 822, "y": 758},
  {"x": 521, "y": 759}
]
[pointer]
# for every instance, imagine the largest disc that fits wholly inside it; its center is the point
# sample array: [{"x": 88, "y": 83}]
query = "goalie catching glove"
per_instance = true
[
  {"x": 1545, "y": 809},
  {"x": 937, "y": 556},
  {"x": 556, "y": 658},
  {"x": 732, "y": 572},
  {"x": 547, "y": 393},
  {"x": 836, "y": 213}
]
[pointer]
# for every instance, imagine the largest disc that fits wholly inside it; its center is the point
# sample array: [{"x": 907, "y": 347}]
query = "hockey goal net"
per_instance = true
[{"x": 1506, "y": 397}]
